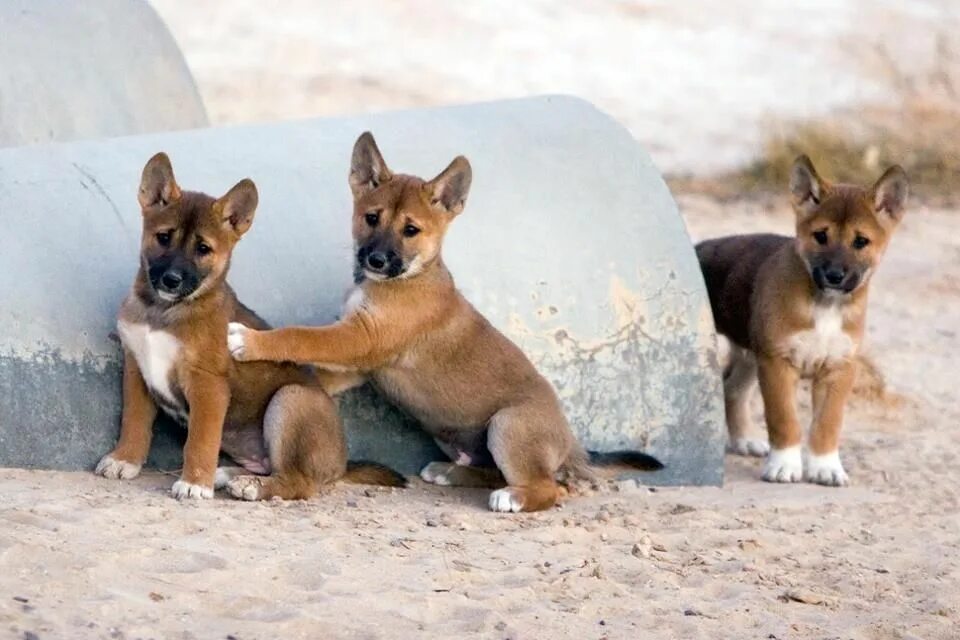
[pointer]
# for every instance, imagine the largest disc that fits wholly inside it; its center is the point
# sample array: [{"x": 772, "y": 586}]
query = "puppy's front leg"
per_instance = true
[
  {"x": 136, "y": 426},
  {"x": 349, "y": 343},
  {"x": 209, "y": 397},
  {"x": 778, "y": 384},
  {"x": 831, "y": 387}
]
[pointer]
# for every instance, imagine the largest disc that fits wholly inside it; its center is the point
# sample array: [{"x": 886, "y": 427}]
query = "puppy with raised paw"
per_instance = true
[{"x": 408, "y": 329}]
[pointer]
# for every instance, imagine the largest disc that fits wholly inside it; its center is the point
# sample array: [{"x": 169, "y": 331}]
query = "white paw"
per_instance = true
[
  {"x": 245, "y": 487},
  {"x": 236, "y": 333},
  {"x": 505, "y": 501},
  {"x": 224, "y": 475},
  {"x": 110, "y": 467},
  {"x": 784, "y": 465},
  {"x": 749, "y": 447},
  {"x": 826, "y": 469},
  {"x": 182, "y": 489},
  {"x": 436, "y": 473}
]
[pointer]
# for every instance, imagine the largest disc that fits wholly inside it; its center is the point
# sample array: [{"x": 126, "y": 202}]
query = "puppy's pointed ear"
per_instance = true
[
  {"x": 807, "y": 188},
  {"x": 158, "y": 187},
  {"x": 238, "y": 207},
  {"x": 367, "y": 168},
  {"x": 449, "y": 189},
  {"x": 890, "y": 192}
]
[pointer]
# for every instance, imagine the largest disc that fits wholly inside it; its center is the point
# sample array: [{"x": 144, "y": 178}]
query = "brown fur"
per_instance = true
[
  {"x": 270, "y": 417},
  {"x": 771, "y": 296},
  {"x": 409, "y": 330}
]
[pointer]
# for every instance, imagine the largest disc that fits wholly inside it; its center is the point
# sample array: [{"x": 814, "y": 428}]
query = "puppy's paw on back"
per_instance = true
[
  {"x": 749, "y": 447},
  {"x": 826, "y": 469},
  {"x": 236, "y": 340},
  {"x": 110, "y": 467},
  {"x": 784, "y": 465},
  {"x": 183, "y": 490}
]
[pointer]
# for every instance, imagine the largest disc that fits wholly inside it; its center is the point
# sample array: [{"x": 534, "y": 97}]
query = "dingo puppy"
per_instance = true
[
  {"x": 271, "y": 418},
  {"x": 796, "y": 307},
  {"x": 408, "y": 329}
]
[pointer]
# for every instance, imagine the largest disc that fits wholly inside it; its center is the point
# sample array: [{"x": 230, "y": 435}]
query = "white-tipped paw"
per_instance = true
[
  {"x": 784, "y": 465},
  {"x": 436, "y": 473},
  {"x": 749, "y": 447},
  {"x": 183, "y": 490},
  {"x": 110, "y": 467},
  {"x": 826, "y": 469},
  {"x": 245, "y": 487},
  {"x": 236, "y": 340},
  {"x": 223, "y": 476},
  {"x": 505, "y": 501}
]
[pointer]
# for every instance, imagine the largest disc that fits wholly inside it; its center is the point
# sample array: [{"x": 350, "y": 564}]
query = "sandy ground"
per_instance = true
[
  {"x": 698, "y": 83},
  {"x": 82, "y": 557}
]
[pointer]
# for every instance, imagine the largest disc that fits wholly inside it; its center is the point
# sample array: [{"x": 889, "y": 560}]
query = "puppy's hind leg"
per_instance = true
[
  {"x": 305, "y": 444},
  {"x": 739, "y": 386},
  {"x": 448, "y": 474},
  {"x": 528, "y": 443},
  {"x": 472, "y": 464}
]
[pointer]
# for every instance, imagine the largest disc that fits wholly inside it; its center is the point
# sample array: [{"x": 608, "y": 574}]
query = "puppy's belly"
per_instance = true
[{"x": 435, "y": 406}]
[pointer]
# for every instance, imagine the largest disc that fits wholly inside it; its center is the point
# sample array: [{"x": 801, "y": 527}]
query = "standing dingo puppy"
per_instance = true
[{"x": 796, "y": 308}]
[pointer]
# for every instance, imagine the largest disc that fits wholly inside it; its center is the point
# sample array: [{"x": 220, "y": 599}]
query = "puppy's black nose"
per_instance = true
[
  {"x": 834, "y": 276},
  {"x": 377, "y": 260},
  {"x": 172, "y": 279}
]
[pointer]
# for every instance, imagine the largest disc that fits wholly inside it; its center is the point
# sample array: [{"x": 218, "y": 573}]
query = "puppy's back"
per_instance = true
[{"x": 730, "y": 266}]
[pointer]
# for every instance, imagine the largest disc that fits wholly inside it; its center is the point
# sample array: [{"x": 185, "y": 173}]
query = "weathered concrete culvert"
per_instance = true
[
  {"x": 570, "y": 243},
  {"x": 78, "y": 70}
]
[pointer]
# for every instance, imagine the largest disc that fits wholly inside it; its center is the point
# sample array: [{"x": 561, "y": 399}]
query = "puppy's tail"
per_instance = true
[
  {"x": 365, "y": 472},
  {"x": 583, "y": 464},
  {"x": 632, "y": 459}
]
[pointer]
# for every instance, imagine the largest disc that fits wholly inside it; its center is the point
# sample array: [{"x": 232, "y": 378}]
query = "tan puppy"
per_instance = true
[
  {"x": 271, "y": 418},
  {"x": 796, "y": 308},
  {"x": 428, "y": 350}
]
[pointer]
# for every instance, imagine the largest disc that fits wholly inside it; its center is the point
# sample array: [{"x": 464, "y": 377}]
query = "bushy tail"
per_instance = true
[
  {"x": 364, "y": 472},
  {"x": 583, "y": 465},
  {"x": 634, "y": 459}
]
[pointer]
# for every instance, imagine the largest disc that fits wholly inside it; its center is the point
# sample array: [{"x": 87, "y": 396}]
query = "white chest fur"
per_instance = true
[
  {"x": 825, "y": 343},
  {"x": 354, "y": 301},
  {"x": 156, "y": 353}
]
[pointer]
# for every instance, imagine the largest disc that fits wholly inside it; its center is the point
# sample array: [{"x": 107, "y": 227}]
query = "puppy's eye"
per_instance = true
[
  {"x": 860, "y": 242},
  {"x": 409, "y": 231},
  {"x": 164, "y": 238},
  {"x": 203, "y": 248},
  {"x": 372, "y": 218},
  {"x": 820, "y": 236}
]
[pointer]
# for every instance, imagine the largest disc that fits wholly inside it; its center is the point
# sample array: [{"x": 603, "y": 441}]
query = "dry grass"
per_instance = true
[{"x": 920, "y": 131}]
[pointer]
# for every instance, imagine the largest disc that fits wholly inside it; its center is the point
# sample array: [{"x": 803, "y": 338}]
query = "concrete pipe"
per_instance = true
[
  {"x": 75, "y": 70},
  {"x": 570, "y": 243}
]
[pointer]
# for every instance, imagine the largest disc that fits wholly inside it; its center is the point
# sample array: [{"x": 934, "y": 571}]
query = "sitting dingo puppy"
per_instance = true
[
  {"x": 408, "y": 329},
  {"x": 796, "y": 307},
  {"x": 271, "y": 418}
]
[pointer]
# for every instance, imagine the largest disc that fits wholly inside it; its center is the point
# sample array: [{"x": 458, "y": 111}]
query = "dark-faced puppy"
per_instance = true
[
  {"x": 408, "y": 329},
  {"x": 795, "y": 308},
  {"x": 274, "y": 419}
]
